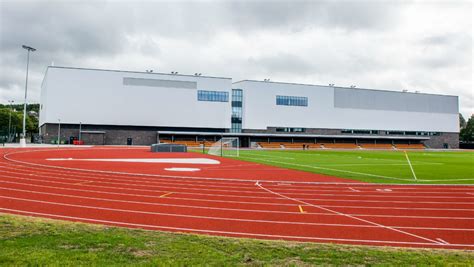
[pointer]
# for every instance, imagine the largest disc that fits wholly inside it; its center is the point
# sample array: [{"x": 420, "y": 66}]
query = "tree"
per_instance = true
[
  {"x": 4, "y": 121},
  {"x": 467, "y": 133},
  {"x": 462, "y": 121},
  {"x": 16, "y": 122}
]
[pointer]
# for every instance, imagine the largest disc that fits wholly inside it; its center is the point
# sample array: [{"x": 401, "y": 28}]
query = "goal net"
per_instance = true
[{"x": 226, "y": 147}]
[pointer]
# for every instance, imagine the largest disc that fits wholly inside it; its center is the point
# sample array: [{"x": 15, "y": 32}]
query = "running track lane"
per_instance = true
[{"x": 227, "y": 200}]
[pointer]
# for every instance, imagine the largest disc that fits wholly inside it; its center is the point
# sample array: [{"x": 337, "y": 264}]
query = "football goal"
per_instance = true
[{"x": 226, "y": 147}]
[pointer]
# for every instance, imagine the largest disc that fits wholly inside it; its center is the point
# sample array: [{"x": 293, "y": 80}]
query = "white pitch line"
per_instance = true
[
  {"x": 352, "y": 189},
  {"x": 124, "y": 224},
  {"x": 258, "y": 155},
  {"x": 349, "y": 216},
  {"x": 337, "y": 170},
  {"x": 411, "y": 167}
]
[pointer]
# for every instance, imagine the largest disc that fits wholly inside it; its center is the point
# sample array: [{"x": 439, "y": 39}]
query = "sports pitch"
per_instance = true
[{"x": 429, "y": 167}]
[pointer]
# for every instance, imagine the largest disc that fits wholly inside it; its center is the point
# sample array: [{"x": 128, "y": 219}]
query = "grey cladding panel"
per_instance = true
[
  {"x": 159, "y": 83},
  {"x": 394, "y": 101}
]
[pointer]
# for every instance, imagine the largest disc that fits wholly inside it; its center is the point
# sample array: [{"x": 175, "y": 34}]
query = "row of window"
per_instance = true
[
  {"x": 291, "y": 130},
  {"x": 413, "y": 133},
  {"x": 213, "y": 96},
  {"x": 361, "y": 131},
  {"x": 282, "y": 100},
  {"x": 348, "y": 131}
]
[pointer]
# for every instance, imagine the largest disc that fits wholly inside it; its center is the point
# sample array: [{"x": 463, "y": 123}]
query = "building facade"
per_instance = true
[{"x": 115, "y": 107}]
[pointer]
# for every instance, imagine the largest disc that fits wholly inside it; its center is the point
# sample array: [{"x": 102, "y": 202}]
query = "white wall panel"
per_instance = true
[
  {"x": 260, "y": 110},
  {"x": 100, "y": 97}
]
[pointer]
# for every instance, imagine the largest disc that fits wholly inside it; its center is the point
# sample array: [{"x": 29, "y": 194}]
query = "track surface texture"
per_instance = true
[{"x": 117, "y": 186}]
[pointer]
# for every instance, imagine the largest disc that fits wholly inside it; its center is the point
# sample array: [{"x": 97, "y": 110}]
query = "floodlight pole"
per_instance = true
[{"x": 23, "y": 137}]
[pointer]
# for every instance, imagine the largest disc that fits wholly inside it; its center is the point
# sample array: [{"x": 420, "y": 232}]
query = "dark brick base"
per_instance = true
[{"x": 118, "y": 135}]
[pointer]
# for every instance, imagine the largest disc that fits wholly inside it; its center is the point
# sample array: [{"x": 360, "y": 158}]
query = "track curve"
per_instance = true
[{"x": 232, "y": 198}]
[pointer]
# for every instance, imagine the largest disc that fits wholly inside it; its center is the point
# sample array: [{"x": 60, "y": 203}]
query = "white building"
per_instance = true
[{"x": 112, "y": 106}]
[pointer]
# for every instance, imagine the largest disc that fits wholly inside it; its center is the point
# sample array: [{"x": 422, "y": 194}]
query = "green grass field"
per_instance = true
[
  {"x": 430, "y": 167},
  {"x": 33, "y": 241}
]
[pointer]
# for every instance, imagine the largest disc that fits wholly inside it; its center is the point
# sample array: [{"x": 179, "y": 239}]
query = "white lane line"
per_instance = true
[
  {"x": 181, "y": 215},
  {"x": 352, "y": 189},
  {"x": 411, "y": 167},
  {"x": 350, "y": 216},
  {"x": 194, "y": 183},
  {"x": 442, "y": 241},
  {"x": 309, "y": 187},
  {"x": 220, "y": 208},
  {"x": 5, "y": 156},
  {"x": 124, "y": 224},
  {"x": 148, "y": 160},
  {"x": 249, "y": 202},
  {"x": 61, "y": 177},
  {"x": 301, "y": 210},
  {"x": 235, "y": 196},
  {"x": 383, "y": 190}
]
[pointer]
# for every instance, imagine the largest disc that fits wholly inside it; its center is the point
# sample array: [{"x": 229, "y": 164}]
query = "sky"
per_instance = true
[{"x": 400, "y": 45}]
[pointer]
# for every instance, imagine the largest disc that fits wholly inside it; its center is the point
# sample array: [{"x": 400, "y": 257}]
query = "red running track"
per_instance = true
[{"x": 231, "y": 198}]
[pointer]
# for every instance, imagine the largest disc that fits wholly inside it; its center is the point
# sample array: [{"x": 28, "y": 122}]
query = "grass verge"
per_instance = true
[{"x": 37, "y": 241}]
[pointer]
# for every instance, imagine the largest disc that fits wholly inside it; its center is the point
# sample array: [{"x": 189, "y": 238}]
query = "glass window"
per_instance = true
[
  {"x": 213, "y": 96},
  {"x": 291, "y": 101}
]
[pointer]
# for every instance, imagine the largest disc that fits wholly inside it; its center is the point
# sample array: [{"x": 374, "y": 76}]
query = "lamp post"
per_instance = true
[
  {"x": 10, "y": 120},
  {"x": 23, "y": 137}
]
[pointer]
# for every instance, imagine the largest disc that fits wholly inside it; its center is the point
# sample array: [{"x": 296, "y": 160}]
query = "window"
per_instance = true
[
  {"x": 291, "y": 101},
  {"x": 348, "y": 131},
  {"x": 236, "y": 119},
  {"x": 291, "y": 130},
  {"x": 395, "y": 133},
  {"x": 213, "y": 96}
]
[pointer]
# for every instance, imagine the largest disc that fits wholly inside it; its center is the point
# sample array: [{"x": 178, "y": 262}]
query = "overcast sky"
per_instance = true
[{"x": 394, "y": 45}]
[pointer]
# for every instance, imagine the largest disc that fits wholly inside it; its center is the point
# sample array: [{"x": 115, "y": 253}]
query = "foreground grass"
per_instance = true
[
  {"x": 430, "y": 167},
  {"x": 34, "y": 241}
]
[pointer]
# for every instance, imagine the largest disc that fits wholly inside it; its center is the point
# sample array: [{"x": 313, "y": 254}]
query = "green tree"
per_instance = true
[
  {"x": 4, "y": 121},
  {"x": 16, "y": 122},
  {"x": 467, "y": 133}
]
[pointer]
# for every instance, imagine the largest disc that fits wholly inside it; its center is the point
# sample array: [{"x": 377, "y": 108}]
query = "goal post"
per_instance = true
[{"x": 225, "y": 147}]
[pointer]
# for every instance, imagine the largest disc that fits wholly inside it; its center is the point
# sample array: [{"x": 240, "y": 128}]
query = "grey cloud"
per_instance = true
[
  {"x": 282, "y": 64},
  {"x": 140, "y": 35},
  {"x": 295, "y": 15}
]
